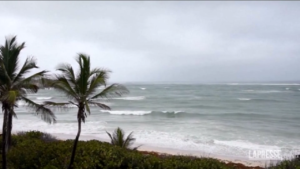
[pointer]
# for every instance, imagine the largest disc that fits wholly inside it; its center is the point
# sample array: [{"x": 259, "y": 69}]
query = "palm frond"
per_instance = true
[
  {"x": 84, "y": 71},
  {"x": 47, "y": 81},
  {"x": 101, "y": 105},
  {"x": 29, "y": 83},
  {"x": 40, "y": 110},
  {"x": 11, "y": 41},
  {"x": 111, "y": 138},
  {"x": 10, "y": 56},
  {"x": 36, "y": 76},
  {"x": 29, "y": 64},
  {"x": 68, "y": 72},
  {"x": 29, "y": 87},
  {"x": 12, "y": 111},
  {"x": 129, "y": 140},
  {"x": 62, "y": 84},
  {"x": 118, "y": 138},
  {"x": 112, "y": 90},
  {"x": 62, "y": 105},
  {"x": 135, "y": 148},
  {"x": 87, "y": 107},
  {"x": 9, "y": 97},
  {"x": 97, "y": 71},
  {"x": 4, "y": 73},
  {"x": 97, "y": 80}
]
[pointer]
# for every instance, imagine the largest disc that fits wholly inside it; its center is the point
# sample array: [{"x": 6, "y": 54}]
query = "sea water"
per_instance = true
[{"x": 224, "y": 119}]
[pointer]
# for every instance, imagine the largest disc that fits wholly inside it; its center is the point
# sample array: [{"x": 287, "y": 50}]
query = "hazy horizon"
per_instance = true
[{"x": 216, "y": 82}]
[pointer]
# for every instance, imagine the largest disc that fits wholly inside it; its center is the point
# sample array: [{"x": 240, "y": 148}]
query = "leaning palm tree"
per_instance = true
[
  {"x": 117, "y": 138},
  {"x": 14, "y": 87},
  {"x": 82, "y": 90}
]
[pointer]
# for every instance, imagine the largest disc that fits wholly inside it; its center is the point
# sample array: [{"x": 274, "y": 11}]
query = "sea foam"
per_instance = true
[
  {"x": 44, "y": 98},
  {"x": 140, "y": 112},
  {"x": 263, "y": 91},
  {"x": 244, "y": 99},
  {"x": 131, "y": 98},
  {"x": 173, "y": 112},
  {"x": 243, "y": 144},
  {"x": 265, "y": 84},
  {"x": 137, "y": 113},
  {"x": 21, "y": 103}
]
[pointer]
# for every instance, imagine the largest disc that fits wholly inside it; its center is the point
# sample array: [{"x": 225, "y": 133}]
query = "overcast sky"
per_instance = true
[{"x": 163, "y": 41}]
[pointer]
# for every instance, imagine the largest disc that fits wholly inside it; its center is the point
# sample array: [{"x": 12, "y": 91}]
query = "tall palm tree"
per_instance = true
[
  {"x": 117, "y": 138},
  {"x": 14, "y": 87},
  {"x": 82, "y": 90}
]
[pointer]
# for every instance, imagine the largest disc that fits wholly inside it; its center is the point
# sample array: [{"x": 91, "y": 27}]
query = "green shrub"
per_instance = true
[
  {"x": 287, "y": 164},
  {"x": 35, "y": 151},
  {"x": 117, "y": 138},
  {"x": 46, "y": 137}
]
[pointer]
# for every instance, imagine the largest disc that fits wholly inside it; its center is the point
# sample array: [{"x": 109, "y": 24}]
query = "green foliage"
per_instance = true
[
  {"x": 287, "y": 164},
  {"x": 32, "y": 151},
  {"x": 82, "y": 87},
  {"x": 46, "y": 137},
  {"x": 82, "y": 90},
  {"x": 14, "y": 86},
  {"x": 117, "y": 138}
]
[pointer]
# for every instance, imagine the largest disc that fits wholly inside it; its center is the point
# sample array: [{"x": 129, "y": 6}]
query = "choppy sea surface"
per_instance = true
[{"x": 225, "y": 119}]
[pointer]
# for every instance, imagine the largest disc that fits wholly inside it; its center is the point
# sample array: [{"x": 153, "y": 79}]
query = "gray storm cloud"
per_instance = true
[{"x": 163, "y": 41}]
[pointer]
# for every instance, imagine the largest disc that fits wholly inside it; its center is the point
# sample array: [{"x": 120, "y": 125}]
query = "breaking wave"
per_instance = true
[
  {"x": 262, "y": 91},
  {"x": 44, "y": 98},
  {"x": 182, "y": 114},
  {"x": 130, "y": 98},
  {"x": 244, "y": 99},
  {"x": 265, "y": 84}
]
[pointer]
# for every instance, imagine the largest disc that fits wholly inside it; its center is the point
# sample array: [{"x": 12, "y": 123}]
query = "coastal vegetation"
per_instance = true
[
  {"x": 37, "y": 150},
  {"x": 117, "y": 138}
]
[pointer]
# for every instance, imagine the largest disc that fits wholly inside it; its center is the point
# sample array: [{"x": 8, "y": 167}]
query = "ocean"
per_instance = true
[{"x": 232, "y": 120}]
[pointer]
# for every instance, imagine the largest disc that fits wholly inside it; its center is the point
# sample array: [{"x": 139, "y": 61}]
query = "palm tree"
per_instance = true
[
  {"x": 14, "y": 87},
  {"x": 82, "y": 90},
  {"x": 117, "y": 138}
]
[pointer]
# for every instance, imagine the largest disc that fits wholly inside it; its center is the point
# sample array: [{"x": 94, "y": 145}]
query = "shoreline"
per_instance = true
[{"x": 167, "y": 151}]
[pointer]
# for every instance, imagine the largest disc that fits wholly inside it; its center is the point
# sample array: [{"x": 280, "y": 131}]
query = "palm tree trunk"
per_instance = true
[
  {"x": 9, "y": 128},
  {"x": 79, "y": 116},
  {"x": 4, "y": 138}
]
